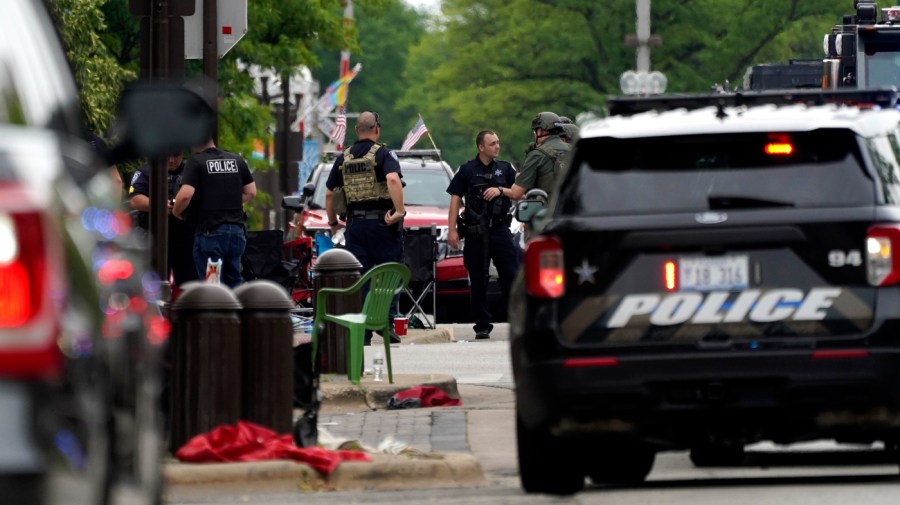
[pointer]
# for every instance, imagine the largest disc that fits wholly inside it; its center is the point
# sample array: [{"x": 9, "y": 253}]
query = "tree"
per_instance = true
[
  {"x": 97, "y": 74},
  {"x": 386, "y": 33},
  {"x": 496, "y": 63}
]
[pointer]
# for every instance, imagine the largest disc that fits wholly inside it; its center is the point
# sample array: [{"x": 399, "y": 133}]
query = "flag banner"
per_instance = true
[
  {"x": 330, "y": 98},
  {"x": 340, "y": 130},
  {"x": 326, "y": 125},
  {"x": 414, "y": 135}
]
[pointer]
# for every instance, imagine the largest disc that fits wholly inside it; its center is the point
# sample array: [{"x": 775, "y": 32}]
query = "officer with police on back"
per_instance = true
[{"x": 484, "y": 182}]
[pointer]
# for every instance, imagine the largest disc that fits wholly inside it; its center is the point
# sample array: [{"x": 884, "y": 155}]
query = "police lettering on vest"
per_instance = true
[{"x": 361, "y": 182}]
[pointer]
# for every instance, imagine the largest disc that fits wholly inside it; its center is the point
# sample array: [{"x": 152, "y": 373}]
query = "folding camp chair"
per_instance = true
[{"x": 420, "y": 255}]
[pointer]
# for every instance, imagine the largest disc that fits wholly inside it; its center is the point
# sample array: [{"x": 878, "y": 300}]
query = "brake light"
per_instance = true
[
  {"x": 883, "y": 255},
  {"x": 779, "y": 148},
  {"x": 670, "y": 274},
  {"x": 841, "y": 354},
  {"x": 21, "y": 268},
  {"x": 544, "y": 268},
  {"x": 603, "y": 361}
]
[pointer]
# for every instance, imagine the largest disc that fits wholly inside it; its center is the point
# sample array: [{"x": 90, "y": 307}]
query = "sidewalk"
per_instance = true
[{"x": 417, "y": 448}]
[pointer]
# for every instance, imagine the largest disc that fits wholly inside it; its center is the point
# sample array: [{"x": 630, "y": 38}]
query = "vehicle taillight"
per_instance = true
[
  {"x": 883, "y": 255},
  {"x": 21, "y": 268},
  {"x": 670, "y": 275},
  {"x": 545, "y": 275}
]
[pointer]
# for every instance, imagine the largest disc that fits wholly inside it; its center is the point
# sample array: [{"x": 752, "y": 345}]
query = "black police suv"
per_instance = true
[{"x": 713, "y": 272}]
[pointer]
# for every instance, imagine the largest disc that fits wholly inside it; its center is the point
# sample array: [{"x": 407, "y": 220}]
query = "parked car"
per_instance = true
[
  {"x": 426, "y": 177},
  {"x": 80, "y": 333},
  {"x": 713, "y": 271}
]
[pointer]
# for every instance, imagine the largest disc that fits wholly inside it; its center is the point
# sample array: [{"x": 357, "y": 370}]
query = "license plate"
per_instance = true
[{"x": 714, "y": 273}]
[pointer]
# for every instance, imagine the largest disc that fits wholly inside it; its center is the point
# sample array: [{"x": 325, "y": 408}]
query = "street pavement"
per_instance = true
[{"x": 411, "y": 448}]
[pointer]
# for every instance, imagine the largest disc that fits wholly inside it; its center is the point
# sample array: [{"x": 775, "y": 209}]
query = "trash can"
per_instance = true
[
  {"x": 336, "y": 268},
  {"x": 268, "y": 366},
  {"x": 206, "y": 361}
]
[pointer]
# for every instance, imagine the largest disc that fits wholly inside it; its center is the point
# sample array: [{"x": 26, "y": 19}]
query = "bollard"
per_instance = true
[
  {"x": 336, "y": 268},
  {"x": 206, "y": 375},
  {"x": 268, "y": 365}
]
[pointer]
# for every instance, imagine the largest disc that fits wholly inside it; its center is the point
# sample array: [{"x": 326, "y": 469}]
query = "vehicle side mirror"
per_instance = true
[
  {"x": 158, "y": 120},
  {"x": 527, "y": 210},
  {"x": 534, "y": 202},
  {"x": 292, "y": 203},
  {"x": 308, "y": 189}
]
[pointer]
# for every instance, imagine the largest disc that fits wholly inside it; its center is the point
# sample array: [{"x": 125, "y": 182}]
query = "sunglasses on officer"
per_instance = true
[{"x": 377, "y": 118}]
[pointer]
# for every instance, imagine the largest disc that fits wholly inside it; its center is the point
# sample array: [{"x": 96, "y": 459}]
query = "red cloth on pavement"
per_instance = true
[
  {"x": 250, "y": 442},
  {"x": 422, "y": 396}
]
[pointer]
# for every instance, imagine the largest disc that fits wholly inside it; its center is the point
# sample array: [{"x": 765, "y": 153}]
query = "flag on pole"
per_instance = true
[
  {"x": 414, "y": 135},
  {"x": 340, "y": 130}
]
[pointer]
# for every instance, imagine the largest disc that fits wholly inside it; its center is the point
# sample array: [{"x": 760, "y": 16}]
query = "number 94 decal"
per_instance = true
[{"x": 838, "y": 258}]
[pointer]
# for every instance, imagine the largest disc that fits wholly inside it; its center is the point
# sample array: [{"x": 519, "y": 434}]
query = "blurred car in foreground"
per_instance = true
[
  {"x": 714, "y": 271},
  {"x": 79, "y": 336}
]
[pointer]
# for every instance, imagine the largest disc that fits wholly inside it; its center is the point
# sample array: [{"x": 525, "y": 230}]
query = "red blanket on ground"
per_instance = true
[{"x": 250, "y": 442}]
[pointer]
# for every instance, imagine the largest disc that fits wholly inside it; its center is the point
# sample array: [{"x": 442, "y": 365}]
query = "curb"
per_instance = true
[
  {"x": 338, "y": 392},
  {"x": 384, "y": 472}
]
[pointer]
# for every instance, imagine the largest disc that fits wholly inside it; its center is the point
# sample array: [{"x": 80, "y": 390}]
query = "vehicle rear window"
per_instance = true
[{"x": 703, "y": 172}]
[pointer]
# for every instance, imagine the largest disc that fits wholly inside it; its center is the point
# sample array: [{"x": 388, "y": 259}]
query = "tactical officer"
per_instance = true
[
  {"x": 370, "y": 178},
  {"x": 181, "y": 235},
  {"x": 485, "y": 183},
  {"x": 369, "y": 174},
  {"x": 544, "y": 162},
  {"x": 570, "y": 130},
  {"x": 215, "y": 185}
]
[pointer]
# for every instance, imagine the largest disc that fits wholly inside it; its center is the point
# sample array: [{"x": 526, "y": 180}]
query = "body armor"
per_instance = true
[{"x": 360, "y": 181}]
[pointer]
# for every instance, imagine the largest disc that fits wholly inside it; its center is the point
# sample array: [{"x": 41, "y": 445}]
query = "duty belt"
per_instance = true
[{"x": 367, "y": 214}]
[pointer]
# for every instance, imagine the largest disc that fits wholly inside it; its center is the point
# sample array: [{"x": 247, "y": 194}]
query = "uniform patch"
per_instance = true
[
  {"x": 221, "y": 166},
  {"x": 135, "y": 177},
  {"x": 394, "y": 155}
]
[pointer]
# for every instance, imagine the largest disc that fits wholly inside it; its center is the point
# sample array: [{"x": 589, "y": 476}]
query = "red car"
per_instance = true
[{"x": 426, "y": 177}]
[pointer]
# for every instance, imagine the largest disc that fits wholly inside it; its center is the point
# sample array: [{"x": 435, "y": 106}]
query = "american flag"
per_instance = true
[
  {"x": 340, "y": 130},
  {"x": 414, "y": 135}
]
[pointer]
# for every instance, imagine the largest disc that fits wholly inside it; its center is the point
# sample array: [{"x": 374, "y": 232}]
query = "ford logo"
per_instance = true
[{"x": 711, "y": 217}]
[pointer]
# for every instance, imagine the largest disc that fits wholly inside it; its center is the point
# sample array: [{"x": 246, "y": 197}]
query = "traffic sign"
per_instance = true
[{"x": 230, "y": 28}]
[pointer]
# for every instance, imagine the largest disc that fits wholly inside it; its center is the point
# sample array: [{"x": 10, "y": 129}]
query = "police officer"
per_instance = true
[
  {"x": 215, "y": 185},
  {"x": 369, "y": 175},
  {"x": 570, "y": 130},
  {"x": 485, "y": 183},
  {"x": 181, "y": 234},
  {"x": 545, "y": 161}
]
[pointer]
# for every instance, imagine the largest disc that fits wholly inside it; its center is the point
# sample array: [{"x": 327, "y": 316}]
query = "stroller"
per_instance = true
[{"x": 265, "y": 258}]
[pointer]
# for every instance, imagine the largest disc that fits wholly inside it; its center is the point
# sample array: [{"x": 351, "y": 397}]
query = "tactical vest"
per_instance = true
[
  {"x": 360, "y": 181},
  {"x": 481, "y": 214},
  {"x": 546, "y": 178}
]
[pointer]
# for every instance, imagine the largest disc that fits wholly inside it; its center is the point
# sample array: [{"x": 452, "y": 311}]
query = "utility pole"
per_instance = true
[
  {"x": 162, "y": 61},
  {"x": 211, "y": 60}
]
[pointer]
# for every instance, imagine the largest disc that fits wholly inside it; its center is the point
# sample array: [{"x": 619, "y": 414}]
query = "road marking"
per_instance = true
[{"x": 478, "y": 379}]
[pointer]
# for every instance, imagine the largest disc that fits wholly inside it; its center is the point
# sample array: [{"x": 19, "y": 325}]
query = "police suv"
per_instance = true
[{"x": 713, "y": 272}]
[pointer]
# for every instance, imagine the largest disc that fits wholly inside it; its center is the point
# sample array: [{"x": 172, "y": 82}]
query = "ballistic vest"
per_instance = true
[
  {"x": 557, "y": 150},
  {"x": 360, "y": 181}
]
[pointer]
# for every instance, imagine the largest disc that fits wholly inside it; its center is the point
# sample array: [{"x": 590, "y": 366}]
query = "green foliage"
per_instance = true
[
  {"x": 97, "y": 74},
  {"x": 496, "y": 63},
  {"x": 386, "y": 33}
]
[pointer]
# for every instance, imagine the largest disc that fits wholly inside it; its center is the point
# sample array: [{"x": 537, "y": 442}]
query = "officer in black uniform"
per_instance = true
[
  {"x": 484, "y": 183},
  {"x": 215, "y": 185},
  {"x": 369, "y": 174},
  {"x": 181, "y": 234}
]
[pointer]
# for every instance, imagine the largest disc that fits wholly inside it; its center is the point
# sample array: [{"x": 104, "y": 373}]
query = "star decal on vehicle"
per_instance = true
[{"x": 585, "y": 272}]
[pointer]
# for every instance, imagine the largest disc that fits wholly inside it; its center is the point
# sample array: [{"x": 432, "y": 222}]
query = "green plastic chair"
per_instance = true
[{"x": 385, "y": 281}]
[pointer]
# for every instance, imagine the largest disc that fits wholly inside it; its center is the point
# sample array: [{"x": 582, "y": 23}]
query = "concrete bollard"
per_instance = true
[
  {"x": 336, "y": 268},
  {"x": 268, "y": 364},
  {"x": 206, "y": 375}
]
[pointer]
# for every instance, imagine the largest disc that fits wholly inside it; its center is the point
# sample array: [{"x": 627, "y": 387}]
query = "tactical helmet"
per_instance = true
[
  {"x": 565, "y": 120},
  {"x": 570, "y": 131},
  {"x": 546, "y": 121}
]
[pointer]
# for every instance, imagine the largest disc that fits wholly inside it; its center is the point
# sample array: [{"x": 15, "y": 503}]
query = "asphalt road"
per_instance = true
[{"x": 818, "y": 473}]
